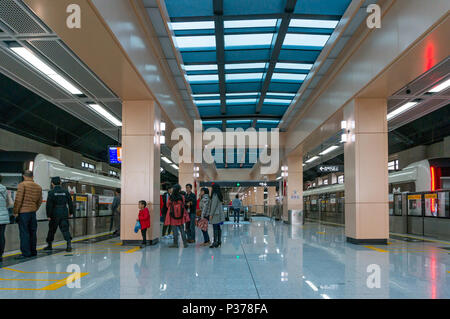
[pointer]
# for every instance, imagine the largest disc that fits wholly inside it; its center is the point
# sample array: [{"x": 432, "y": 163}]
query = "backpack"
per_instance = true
[{"x": 176, "y": 209}]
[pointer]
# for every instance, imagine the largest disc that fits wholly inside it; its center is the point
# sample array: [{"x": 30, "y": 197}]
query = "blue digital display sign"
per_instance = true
[{"x": 115, "y": 155}]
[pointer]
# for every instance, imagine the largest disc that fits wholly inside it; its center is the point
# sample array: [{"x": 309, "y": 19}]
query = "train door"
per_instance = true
[{"x": 415, "y": 214}]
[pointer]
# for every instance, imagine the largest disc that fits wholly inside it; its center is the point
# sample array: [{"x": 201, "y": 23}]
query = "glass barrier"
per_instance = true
[
  {"x": 398, "y": 205},
  {"x": 415, "y": 205}
]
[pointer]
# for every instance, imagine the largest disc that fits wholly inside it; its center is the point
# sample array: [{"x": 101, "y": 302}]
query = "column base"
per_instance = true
[
  {"x": 138, "y": 242},
  {"x": 362, "y": 241}
]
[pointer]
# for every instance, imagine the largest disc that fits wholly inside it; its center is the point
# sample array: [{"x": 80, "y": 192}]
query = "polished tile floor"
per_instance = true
[{"x": 262, "y": 259}]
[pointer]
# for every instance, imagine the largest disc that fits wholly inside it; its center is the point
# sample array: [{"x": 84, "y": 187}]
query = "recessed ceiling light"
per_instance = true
[
  {"x": 243, "y": 76},
  {"x": 104, "y": 113},
  {"x": 243, "y": 94},
  {"x": 201, "y": 67},
  {"x": 311, "y": 23},
  {"x": 310, "y": 40},
  {"x": 195, "y": 25},
  {"x": 281, "y": 94},
  {"x": 401, "y": 110},
  {"x": 203, "y": 78},
  {"x": 328, "y": 150},
  {"x": 440, "y": 87},
  {"x": 174, "y": 166},
  {"x": 256, "y": 23},
  {"x": 246, "y": 40},
  {"x": 165, "y": 159},
  {"x": 277, "y": 101},
  {"x": 312, "y": 159},
  {"x": 206, "y": 95},
  {"x": 207, "y": 102},
  {"x": 288, "y": 76},
  {"x": 241, "y": 101},
  {"x": 190, "y": 42},
  {"x": 237, "y": 66},
  {"x": 294, "y": 66}
]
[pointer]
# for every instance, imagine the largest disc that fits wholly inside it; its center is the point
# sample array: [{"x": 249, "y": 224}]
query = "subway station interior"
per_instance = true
[{"x": 328, "y": 121}]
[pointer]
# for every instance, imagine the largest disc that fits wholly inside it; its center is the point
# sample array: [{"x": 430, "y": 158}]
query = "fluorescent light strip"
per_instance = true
[
  {"x": 440, "y": 87},
  {"x": 310, "y": 23},
  {"x": 293, "y": 66},
  {"x": 281, "y": 94},
  {"x": 246, "y": 40},
  {"x": 313, "y": 287},
  {"x": 288, "y": 76},
  {"x": 196, "y": 25},
  {"x": 201, "y": 67},
  {"x": 189, "y": 42},
  {"x": 238, "y": 122},
  {"x": 260, "y": 23},
  {"x": 328, "y": 150},
  {"x": 401, "y": 110},
  {"x": 300, "y": 39},
  {"x": 269, "y": 121},
  {"x": 104, "y": 113},
  {"x": 211, "y": 122},
  {"x": 203, "y": 78},
  {"x": 312, "y": 159},
  {"x": 44, "y": 68},
  {"x": 243, "y": 76},
  {"x": 205, "y": 95},
  {"x": 174, "y": 166},
  {"x": 237, "y": 66},
  {"x": 277, "y": 101},
  {"x": 207, "y": 102},
  {"x": 243, "y": 94},
  {"x": 165, "y": 159},
  {"x": 241, "y": 101}
]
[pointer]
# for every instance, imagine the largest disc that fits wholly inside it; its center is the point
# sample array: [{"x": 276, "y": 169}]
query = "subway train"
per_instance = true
[
  {"x": 92, "y": 194},
  {"x": 418, "y": 200}
]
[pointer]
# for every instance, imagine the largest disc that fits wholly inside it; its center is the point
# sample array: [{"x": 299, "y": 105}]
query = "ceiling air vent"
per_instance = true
[{"x": 18, "y": 19}]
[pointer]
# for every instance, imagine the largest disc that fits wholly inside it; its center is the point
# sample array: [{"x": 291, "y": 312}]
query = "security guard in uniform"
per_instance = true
[{"x": 59, "y": 207}]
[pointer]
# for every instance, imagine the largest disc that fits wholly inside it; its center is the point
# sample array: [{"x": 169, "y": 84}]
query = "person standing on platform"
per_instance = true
[
  {"x": 144, "y": 220},
  {"x": 216, "y": 215},
  {"x": 204, "y": 206},
  {"x": 59, "y": 208},
  {"x": 28, "y": 200},
  {"x": 177, "y": 215},
  {"x": 5, "y": 203},
  {"x": 166, "y": 228},
  {"x": 237, "y": 206},
  {"x": 115, "y": 209},
  {"x": 191, "y": 205}
]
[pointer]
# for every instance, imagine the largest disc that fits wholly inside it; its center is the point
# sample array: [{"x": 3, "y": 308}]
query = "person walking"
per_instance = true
[
  {"x": 144, "y": 220},
  {"x": 165, "y": 198},
  {"x": 191, "y": 206},
  {"x": 204, "y": 205},
  {"x": 59, "y": 207},
  {"x": 115, "y": 210},
  {"x": 5, "y": 203},
  {"x": 236, "y": 206},
  {"x": 216, "y": 215},
  {"x": 177, "y": 215},
  {"x": 27, "y": 202}
]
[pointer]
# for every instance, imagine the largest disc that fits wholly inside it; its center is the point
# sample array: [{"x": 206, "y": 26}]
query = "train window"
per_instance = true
[
  {"x": 443, "y": 204},
  {"x": 415, "y": 205}
]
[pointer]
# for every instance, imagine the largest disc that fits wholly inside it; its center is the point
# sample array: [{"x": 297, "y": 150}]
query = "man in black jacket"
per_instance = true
[
  {"x": 191, "y": 206},
  {"x": 165, "y": 197},
  {"x": 59, "y": 207}
]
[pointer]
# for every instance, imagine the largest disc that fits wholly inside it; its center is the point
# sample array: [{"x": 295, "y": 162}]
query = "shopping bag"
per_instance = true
[
  {"x": 203, "y": 224},
  {"x": 137, "y": 227}
]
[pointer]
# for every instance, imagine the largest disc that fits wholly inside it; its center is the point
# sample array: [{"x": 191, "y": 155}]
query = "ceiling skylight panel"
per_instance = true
[
  {"x": 203, "y": 78},
  {"x": 277, "y": 101},
  {"x": 243, "y": 94},
  {"x": 195, "y": 25},
  {"x": 243, "y": 76},
  {"x": 259, "y": 23},
  {"x": 241, "y": 101},
  {"x": 312, "y": 23},
  {"x": 201, "y": 67},
  {"x": 248, "y": 40},
  {"x": 288, "y": 76},
  {"x": 293, "y": 66},
  {"x": 300, "y": 39},
  {"x": 207, "y": 102},
  {"x": 237, "y": 66},
  {"x": 281, "y": 94},
  {"x": 190, "y": 42},
  {"x": 206, "y": 95}
]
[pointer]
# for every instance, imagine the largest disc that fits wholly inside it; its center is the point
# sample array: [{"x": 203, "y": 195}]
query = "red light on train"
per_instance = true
[{"x": 433, "y": 178}]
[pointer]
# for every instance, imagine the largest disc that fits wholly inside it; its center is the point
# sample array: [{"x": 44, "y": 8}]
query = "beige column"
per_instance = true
[
  {"x": 140, "y": 167},
  {"x": 259, "y": 200},
  {"x": 271, "y": 191},
  {"x": 186, "y": 174},
  {"x": 366, "y": 173},
  {"x": 294, "y": 192}
]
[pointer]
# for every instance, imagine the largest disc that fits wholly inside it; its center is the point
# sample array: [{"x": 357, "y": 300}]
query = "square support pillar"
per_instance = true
[
  {"x": 259, "y": 200},
  {"x": 366, "y": 172},
  {"x": 140, "y": 168},
  {"x": 293, "y": 201},
  {"x": 186, "y": 175}
]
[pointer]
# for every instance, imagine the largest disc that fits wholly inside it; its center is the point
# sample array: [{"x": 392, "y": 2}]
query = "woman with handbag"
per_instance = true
[
  {"x": 217, "y": 217},
  {"x": 5, "y": 203},
  {"x": 204, "y": 205}
]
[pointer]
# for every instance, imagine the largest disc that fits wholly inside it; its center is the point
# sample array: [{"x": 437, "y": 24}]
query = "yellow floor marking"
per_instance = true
[
  {"x": 132, "y": 250},
  {"x": 118, "y": 244},
  {"x": 448, "y": 271},
  {"x": 65, "y": 281},
  {"x": 36, "y": 272},
  {"x": 321, "y": 232},
  {"x": 377, "y": 249},
  {"x": 19, "y": 279}
]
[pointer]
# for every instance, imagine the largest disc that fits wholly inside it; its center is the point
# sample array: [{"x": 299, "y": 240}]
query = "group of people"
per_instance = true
[
  {"x": 27, "y": 201},
  {"x": 180, "y": 215}
]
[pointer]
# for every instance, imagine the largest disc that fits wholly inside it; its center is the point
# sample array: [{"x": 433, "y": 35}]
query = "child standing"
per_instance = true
[{"x": 144, "y": 219}]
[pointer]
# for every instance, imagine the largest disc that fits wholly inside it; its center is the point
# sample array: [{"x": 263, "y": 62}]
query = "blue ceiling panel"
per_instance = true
[
  {"x": 266, "y": 126},
  {"x": 209, "y": 110},
  {"x": 284, "y": 87},
  {"x": 323, "y": 7},
  {"x": 299, "y": 55},
  {"x": 210, "y": 126},
  {"x": 240, "y": 109},
  {"x": 249, "y": 7},
  {"x": 189, "y": 8},
  {"x": 199, "y": 57},
  {"x": 273, "y": 110},
  {"x": 244, "y": 87},
  {"x": 247, "y": 55},
  {"x": 205, "y": 88}
]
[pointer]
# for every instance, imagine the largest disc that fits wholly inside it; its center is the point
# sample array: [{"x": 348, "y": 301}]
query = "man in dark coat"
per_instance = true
[
  {"x": 191, "y": 207},
  {"x": 59, "y": 207}
]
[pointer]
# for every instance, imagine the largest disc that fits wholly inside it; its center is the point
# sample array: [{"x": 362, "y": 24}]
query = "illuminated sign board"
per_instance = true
[
  {"x": 115, "y": 155},
  {"x": 329, "y": 168}
]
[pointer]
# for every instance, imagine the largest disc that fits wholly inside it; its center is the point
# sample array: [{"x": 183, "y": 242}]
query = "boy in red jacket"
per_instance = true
[{"x": 144, "y": 219}]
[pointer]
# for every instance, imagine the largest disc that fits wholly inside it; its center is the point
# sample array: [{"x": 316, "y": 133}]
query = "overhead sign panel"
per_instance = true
[
  {"x": 329, "y": 168},
  {"x": 115, "y": 155}
]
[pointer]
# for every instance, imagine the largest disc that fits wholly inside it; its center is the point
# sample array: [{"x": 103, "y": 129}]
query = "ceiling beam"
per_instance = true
[
  {"x": 280, "y": 36},
  {"x": 220, "y": 53}
]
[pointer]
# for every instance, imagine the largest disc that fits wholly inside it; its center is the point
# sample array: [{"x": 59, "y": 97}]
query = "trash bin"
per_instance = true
[{"x": 295, "y": 217}]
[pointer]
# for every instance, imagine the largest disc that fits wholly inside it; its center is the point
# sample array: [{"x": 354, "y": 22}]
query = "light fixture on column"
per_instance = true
[{"x": 162, "y": 137}]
